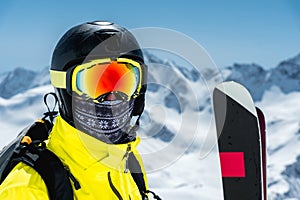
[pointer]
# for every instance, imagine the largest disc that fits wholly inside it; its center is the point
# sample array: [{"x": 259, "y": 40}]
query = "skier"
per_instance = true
[{"x": 99, "y": 76}]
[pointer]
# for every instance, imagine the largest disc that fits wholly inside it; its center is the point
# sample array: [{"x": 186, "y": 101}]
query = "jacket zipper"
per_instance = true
[{"x": 113, "y": 188}]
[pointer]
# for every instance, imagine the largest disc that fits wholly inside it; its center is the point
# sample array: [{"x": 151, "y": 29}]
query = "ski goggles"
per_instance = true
[{"x": 99, "y": 77}]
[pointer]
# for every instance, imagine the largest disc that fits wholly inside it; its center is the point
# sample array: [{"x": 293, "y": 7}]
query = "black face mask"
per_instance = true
[{"x": 108, "y": 121}]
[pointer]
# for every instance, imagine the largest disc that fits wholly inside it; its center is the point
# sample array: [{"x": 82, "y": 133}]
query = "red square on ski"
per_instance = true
[{"x": 232, "y": 164}]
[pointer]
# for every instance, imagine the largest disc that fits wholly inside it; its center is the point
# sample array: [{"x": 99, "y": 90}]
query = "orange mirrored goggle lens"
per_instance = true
[{"x": 100, "y": 79}]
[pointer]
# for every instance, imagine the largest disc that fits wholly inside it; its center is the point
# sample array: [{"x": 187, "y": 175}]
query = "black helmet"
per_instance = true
[{"x": 93, "y": 40}]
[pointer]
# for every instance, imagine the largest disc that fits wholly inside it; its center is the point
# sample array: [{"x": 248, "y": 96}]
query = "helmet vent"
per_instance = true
[{"x": 101, "y": 23}]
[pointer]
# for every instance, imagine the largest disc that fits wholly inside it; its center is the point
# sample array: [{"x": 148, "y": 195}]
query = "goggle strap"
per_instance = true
[{"x": 58, "y": 79}]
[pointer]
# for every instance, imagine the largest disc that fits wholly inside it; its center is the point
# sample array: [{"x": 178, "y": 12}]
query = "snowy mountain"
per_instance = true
[
  {"x": 20, "y": 80},
  {"x": 286, "y": 76},
  {"x": 177, "y": 120}
]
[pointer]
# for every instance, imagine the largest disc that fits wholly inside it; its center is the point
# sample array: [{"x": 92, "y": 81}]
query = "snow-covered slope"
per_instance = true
[
  {"x": 177, "y": 120},
  {"x": 283, "y": 140},
  {"x": 20, "y": 111}
]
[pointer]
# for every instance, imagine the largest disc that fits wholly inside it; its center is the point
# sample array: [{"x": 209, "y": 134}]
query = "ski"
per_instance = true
[
  {"x": 262, "y": 125},
  {"x": 239, "y": 143}
]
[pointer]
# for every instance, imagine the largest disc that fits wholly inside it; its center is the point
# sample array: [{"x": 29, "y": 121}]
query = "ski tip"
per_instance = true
[{"x": 238, "y": 93}]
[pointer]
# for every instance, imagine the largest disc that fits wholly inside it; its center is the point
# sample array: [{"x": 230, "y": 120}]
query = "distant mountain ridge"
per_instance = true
[
  {"x": 20, "y": 80},
  {"x": 286, "y": 76}
]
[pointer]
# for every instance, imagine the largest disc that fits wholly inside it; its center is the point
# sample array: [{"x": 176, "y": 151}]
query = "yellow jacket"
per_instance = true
[{"x": 97, "y": 166}]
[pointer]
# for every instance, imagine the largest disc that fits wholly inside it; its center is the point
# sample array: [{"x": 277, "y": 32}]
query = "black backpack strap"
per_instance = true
[
  {"x": 137, "y": 174},
  {"x": 30, "y": 149},
  {"x": 138, "y": 177},
  {"x": 50, "y": 168},
  {"x": 38, "y": 131}
]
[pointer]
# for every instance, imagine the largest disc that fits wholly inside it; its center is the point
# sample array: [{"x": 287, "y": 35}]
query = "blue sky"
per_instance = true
[{"x": 260, "y": 31}]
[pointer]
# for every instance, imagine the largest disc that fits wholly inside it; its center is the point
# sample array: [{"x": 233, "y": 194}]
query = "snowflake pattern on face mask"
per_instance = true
[
  {"x": 103, "y": 124},
  {"x": 108, "y": 121},
  {"x": 91, "y": 122},
  {"x": 115, "y": 122}
]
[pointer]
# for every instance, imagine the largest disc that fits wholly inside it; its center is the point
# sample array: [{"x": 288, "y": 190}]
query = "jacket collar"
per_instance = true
[{"x": 72, "y": 145}]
